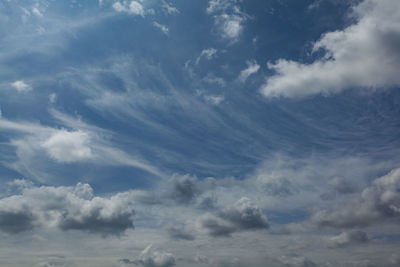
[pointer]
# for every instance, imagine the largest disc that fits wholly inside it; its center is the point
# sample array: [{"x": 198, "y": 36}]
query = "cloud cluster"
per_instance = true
[
  {"x": 244, "y": 215},
  {"x": 365, "y": 55},
  {"x": 66, "y": 208},
  {"x": 378, "y": 202},
  {"x": 150, "y": 257},
  {"x": 228, "y": 18},
  {"x": 133, "y": 8}
]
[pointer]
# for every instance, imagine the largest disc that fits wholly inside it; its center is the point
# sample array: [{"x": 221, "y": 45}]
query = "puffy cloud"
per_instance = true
[
  {"x": 150, "y": 257},
  {"x": 252, "y": 68},
  {"x": 133, "y": 8},
  {"x": 380, "y": 201},
  {"x": 163, "y": 28},
  {"x": 182, "y": 189},
  {"x": 228, "y": 18},
  {"x": 68, "y": 146},
  {"x": 21, "y": 86},
  {"x": 365, "y": 55},
  {"x": 244, "y": 215},
  {"x": 348, "y": 238},
  {"x": 67, "y": 208}
]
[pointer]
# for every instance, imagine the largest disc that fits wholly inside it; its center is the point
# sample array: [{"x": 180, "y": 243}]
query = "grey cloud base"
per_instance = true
[{"x": 67, "y": 208}]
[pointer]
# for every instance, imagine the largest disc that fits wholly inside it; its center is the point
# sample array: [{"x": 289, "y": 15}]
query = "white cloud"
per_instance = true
[
  {"x": 66, "y": 208},
  {"x": 37, "y": 12},
  {"x": 228, "y": 18},
  {"x": 21, "y": 86},
  {"x": 68, "y": 146},
  {"x": 214, "y": 99},
  {"x": 364, "y": 55},
  {"x": 150, "y": 257},
  {"x": 252, "y": 68},
  {"x": 52, "y": 98},
  {"x": 163, "y": 28},
  {"x": 133, "y": 8},
  {"x": 170, "y": 9},
  {"x": 208, "y": 53}
]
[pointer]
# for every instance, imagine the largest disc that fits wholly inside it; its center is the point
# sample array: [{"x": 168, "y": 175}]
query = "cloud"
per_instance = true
[
  {"x": 150, "y": 257},
  {"x": 179, "y": 234},
  {"x": 348, "y": 238},
  {"x": 296, "y": 261},
  {"x": 363, "y": 55},
  {"x": 378, "y": 202},
  {"x": 163, "y": 28},
  {"x": 170, "y": 9},
  {"x": 68, "y": 146},
  {"x": 80, "y": 143},
  {"x": 208, "y": 53},
  {"x": 252, "y": 68},
  {"x": 214, "y": 99},
  {"x": 228, "y": 18},
  {"x": 21, "y": 86},
  {"x": 182, "y": 189},
  {"x": 67, "y": 208},
  {"x": 133, "y": 8},
  {"x": 244, "y": 215}
]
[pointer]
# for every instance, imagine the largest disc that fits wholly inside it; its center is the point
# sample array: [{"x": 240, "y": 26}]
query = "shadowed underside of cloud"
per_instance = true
[
  {"x": 378, "y": 202},
  {"x": 244, "y": 215},
  {"x": 68, "y": 208},
  {"x": 366, "y": 54}
]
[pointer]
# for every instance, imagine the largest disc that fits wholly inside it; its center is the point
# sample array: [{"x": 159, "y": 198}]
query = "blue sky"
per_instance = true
[{"x": 199, "y": 133}]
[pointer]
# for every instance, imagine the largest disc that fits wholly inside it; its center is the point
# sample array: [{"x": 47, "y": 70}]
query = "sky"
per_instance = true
[{"x": 221, "y": 133}]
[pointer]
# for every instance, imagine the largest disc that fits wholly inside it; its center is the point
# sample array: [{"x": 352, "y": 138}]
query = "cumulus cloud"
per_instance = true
[
  {"x": 378, "y": 202},
  {"x": 150, "y": 257},
  {"x": 244, "y": 215},
  {"x": 363, "y": 55},
  {"x": 66, "y": 208},
  {"x": 68, "y": 146},
  {"x": 133, "y": 8},
  {"x": 228, "y": 18},
  {"x": 163, "y": 28},
  {"x": 182, "y": 189},
  {"x": 252, "y": 68},
  {"x": 21, "y": 86},
  {"x": 348, "y": 238}
]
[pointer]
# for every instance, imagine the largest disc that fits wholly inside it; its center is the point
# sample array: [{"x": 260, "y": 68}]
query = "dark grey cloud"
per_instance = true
[
  {"x": 244, "y": 215},
  {"x": 69, "y": 208},
  {"x": 14, "y": 221},
  {"x": 180, "y": 234},
  {"x": 183, "y": 189},
  {"x": 378, "y": 202}
]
